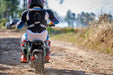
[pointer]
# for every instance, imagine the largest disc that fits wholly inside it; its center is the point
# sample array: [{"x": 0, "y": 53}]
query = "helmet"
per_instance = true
[{"x": 33, "y": 3}]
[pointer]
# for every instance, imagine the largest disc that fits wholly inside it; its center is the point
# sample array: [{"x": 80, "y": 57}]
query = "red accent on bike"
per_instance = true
[
  {"x": 47, "y": 54},
  {"x": 22, "y": 45},
  {"x": 32, "y": 58},
  {"x": 49, "y": 42},
  {"x": 47, "y": 57},
  {"x": 51, "y": 22},
  {"x": 24, "y": 41},
  {"x": 21, "y": 53}
]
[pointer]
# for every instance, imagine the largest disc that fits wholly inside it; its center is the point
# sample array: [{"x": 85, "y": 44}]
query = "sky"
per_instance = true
[{"x": 77, "y": 6}]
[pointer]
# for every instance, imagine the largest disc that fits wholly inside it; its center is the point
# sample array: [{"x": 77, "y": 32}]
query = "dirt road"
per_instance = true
[{"x": 66, "y": 59}]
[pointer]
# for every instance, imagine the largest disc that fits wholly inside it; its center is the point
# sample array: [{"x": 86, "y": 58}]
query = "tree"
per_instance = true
[
  {"x": 13, "y": 7},
  {"x": 70, "y": 18},
  {"x": 61, "y": 1},
  {"x": 2, "y": 8},
  {"x": 46, "y": 4},
  {"x": 8, "y": 8},
  {"x": 25, "y": 4}
]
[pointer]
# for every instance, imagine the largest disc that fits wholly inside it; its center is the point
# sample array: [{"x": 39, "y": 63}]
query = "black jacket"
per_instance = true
[{"x": 45, "y": 13}]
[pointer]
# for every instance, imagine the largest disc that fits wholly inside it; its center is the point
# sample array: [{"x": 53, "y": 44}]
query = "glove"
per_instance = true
[{"x": 20, "y": 24}]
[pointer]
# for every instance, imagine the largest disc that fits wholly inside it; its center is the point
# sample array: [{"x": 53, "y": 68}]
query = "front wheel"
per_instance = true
[{"x": 39, "y": 63}]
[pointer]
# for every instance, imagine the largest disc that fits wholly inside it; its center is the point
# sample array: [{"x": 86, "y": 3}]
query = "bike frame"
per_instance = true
[{"x": 29, "y": 47}]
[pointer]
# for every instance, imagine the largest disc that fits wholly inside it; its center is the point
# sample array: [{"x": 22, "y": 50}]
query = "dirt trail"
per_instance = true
[{"x": 66, "y": 59}]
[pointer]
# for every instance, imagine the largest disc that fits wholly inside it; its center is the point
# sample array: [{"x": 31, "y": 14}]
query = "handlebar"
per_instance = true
[{"x": 52, "y": 25}]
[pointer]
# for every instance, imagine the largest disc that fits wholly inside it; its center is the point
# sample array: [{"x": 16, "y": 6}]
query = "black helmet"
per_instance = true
[{"x": 34, "y": 3}]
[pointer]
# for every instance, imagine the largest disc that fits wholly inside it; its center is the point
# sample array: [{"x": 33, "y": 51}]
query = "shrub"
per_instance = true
[
  {"x": 53, "y": 31},
  {"x": 67, "y": 30},
  {"x": 2, "y": 22}
]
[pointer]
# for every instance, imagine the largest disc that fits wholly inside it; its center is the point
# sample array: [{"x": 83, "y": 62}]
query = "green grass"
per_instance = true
[
  {"x": 80, "y": 37},
  {"x": 70, "y": 37},
  {"x": 2, "y": 23}
]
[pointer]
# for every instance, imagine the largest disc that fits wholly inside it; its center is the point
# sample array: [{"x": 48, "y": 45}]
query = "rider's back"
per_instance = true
[{"x": 35, "y": 20}]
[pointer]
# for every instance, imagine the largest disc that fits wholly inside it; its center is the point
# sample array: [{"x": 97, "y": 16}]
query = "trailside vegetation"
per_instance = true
[{"x": 98, "y": 36}]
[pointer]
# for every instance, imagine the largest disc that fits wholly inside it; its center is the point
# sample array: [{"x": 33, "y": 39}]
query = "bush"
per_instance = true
[
  {"x": 2, "y": 22},
  {"x": 53, "y": 31},
  {"x": 98, "y": 37},
  {"x": 67, "y": 30}
]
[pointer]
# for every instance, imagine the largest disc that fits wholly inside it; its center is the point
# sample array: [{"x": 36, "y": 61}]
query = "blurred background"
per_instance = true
[{"x": 71, "y": 13}]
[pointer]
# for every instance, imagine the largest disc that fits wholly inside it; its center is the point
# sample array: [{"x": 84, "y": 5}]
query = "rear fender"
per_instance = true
[{"x": 37, "y": 51}]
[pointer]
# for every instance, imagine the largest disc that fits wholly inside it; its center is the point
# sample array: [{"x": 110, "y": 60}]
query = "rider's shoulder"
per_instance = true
[
  {"x": 49, "y": 11},
  {"x": 25, "y": 12}
]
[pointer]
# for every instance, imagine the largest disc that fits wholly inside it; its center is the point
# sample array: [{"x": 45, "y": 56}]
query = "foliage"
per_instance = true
[
  {"x": 67, "y": 30},
  {"x": 8, "y": 8},
  {"x": 105, "y": 18},
  {"x": 98, "y": 37},
  {"x": 70, "y": 18},
  {"x": 2, "y": 22},
  {"x": 53, "y": 31}
]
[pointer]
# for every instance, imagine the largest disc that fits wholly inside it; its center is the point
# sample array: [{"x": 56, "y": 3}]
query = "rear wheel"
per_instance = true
[{"x": 39, "y": 63}]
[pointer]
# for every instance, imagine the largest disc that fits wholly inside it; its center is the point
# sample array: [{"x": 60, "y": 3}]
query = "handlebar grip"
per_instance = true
[{"x": 51, "y": 25}]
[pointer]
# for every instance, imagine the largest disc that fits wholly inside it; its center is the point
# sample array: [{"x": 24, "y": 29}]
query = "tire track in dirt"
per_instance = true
[
  {"x": 66, "y": 59},
  {"x": 86, "y": 60}
]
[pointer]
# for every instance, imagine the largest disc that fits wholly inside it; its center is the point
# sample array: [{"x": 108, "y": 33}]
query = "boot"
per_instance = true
[
  {"x": 23, "y": 58},
  {"x": 47, "y": 51},
  {"x": 47, "y": 58}
]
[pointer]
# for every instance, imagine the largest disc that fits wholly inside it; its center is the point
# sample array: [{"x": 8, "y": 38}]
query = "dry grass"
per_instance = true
[
  {"x": 100, "y": 37},
  {"x": 97, "y": 37}
]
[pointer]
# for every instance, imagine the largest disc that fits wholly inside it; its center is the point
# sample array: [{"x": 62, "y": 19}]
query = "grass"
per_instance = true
[
  {"x": 97, "y": 37},
  {"x": 2, "y": 23},
  {"x": 65, "y": 37}
]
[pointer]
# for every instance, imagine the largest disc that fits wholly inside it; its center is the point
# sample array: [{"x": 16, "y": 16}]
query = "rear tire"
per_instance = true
[{"x": 39, "y": 63}]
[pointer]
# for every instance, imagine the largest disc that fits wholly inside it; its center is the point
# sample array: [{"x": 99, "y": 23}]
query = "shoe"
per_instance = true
[
  {"x": 23, "y": 59},
  {"x": 47, "y": 58},
  {"x": 32, "y": 58}
]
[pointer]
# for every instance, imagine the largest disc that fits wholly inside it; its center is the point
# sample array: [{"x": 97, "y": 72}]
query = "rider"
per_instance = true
[{"x": 36, "y": 17}]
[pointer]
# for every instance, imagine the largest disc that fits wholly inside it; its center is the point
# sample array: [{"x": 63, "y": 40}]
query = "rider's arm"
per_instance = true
[
  {"x": 21, "y": 23},
  {"x": 52, "y": 17}
]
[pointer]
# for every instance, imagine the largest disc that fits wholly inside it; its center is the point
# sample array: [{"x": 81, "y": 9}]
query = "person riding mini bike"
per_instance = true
[{"x": 36, "y": 17}]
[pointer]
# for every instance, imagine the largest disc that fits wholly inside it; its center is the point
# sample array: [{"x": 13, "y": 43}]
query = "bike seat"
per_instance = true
[{"x": 35, "y": 41}]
